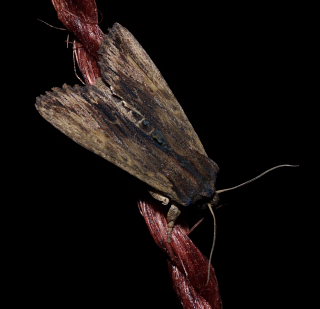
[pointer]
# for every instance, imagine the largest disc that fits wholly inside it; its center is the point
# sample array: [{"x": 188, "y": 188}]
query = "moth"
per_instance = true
[{"x": 131, "y": 118}]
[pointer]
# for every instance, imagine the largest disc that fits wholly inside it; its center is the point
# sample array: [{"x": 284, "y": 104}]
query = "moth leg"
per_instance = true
[
  {"x": 172, "y": 215},
  {"x": 164, "y": 200}
]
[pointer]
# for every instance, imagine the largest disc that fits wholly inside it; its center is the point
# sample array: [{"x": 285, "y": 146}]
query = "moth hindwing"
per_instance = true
[{"x": 131, "y": 118}]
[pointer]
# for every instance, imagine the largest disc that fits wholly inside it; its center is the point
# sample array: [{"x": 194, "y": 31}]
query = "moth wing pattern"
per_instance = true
[
  {"x": 90, "y": 116},
  {"x": 127, "y": 67},
  {"x": 131, "y": 118}
]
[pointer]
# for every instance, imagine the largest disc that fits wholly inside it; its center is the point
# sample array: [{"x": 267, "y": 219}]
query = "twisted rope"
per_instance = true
[{"x": 187, "y": 265}]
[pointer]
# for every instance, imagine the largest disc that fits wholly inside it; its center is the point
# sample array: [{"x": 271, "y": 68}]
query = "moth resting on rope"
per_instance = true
[{"x": 131, "y": 118}]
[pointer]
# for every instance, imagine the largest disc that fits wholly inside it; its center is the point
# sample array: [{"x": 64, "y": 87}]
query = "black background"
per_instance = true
[{"x": 76, "y": 236}]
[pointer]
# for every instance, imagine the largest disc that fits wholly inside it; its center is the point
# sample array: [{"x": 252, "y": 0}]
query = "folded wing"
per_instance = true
[{"x": 131, "y": 118}]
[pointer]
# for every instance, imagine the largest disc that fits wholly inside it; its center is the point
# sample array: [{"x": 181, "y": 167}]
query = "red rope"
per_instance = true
[
  {"x": 187, "y": 265},
  {"x": 81, "y": 19}
]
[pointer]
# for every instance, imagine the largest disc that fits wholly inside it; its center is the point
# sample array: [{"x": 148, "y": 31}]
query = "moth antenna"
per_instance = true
[
  {"x": 58, "y": 28},
  {"x": 213, "y": 241},
  {"x": 255, "y": 178},
  {"x": 74, "y": 59},
  {"x": 54, "y": 27}
]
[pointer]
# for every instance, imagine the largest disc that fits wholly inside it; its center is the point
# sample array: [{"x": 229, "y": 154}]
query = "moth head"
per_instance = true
[
  {"x": 207, "y": 195},
  {"x": 215, "y": 200}
]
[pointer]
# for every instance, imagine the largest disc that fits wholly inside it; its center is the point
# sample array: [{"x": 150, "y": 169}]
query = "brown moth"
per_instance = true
[{"x": 131, "y": 118}]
